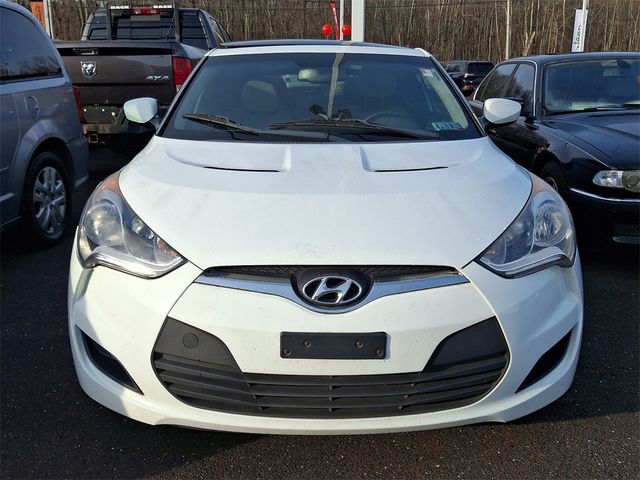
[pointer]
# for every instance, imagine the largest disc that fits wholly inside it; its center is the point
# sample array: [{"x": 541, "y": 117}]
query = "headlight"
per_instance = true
[
  {"x": 111, "y": 234},
  {"x": 628, "y": 179},
  {"x": 541, "y": 236}
]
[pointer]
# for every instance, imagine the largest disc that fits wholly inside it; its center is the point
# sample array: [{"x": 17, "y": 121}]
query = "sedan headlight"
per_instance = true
[
  {"x": 627, "y": 179},
  {"x": 541, "y": 236},
  {"x": 111, "y": 234}
]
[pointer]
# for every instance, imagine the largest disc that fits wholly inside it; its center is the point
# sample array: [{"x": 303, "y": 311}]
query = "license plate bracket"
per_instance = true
[{"x": 334, "y": 346}]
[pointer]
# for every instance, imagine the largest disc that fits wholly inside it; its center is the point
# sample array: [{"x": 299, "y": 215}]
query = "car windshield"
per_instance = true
[
  {"x": 586, "y": 85},
  {"x": 325, "y": 97}
]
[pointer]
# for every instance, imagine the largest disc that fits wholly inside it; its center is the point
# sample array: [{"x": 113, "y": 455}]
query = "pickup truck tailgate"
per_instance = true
[{"x": 110, "y": 73}]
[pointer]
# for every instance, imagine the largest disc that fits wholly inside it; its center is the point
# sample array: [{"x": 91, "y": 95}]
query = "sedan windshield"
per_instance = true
[
  {"x": 591, "y": 85},
  {"x": 325, "y": 97}
]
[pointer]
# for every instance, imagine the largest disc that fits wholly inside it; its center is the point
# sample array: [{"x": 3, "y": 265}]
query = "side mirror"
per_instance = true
[
  {"x": 500, "y": 111},
  {"x": 141, "y": 110}
]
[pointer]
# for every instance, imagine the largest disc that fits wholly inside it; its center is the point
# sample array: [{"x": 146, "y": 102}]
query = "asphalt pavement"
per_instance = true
[{"x": 51, "y": 429}]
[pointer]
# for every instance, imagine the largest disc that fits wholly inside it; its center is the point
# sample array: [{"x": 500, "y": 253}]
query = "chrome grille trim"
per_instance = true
[{"x": 283, "y": 287}]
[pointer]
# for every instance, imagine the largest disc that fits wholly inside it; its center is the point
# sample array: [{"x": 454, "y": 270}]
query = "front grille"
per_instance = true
[
  {"x": 299, "y": 283},
  {"x": 464, "y": 368},
  {"x": 374, "y": 272}
]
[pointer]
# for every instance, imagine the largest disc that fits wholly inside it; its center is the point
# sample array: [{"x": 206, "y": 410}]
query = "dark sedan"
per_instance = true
[{"x": 579, "y": 129}]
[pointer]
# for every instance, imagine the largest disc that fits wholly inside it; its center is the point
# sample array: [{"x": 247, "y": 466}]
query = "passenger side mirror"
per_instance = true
[
  {"x": 500, "y": 111},
  {"x": 141, "y": 110}
]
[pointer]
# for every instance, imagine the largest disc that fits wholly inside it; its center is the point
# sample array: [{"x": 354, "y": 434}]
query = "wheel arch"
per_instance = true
[
  {"x": 52, "y": 144},
  {"x": 59, "y": 156},
  {"x": 57, "y": 146},
  {"x": 542, "y": 159}
]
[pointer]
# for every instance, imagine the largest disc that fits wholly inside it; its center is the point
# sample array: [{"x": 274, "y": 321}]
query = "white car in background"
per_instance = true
[{"x": 343, "y": 253}]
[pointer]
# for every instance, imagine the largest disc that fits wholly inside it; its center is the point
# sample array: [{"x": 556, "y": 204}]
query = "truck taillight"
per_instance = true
[
  {"x": 145, "y": 11},
  {"x": 181, "y": 70},
  {"x": 79, "y": 108}
]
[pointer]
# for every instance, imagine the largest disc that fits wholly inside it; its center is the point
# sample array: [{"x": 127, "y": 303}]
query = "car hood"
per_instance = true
[
  {"x": 231, "y": 203},
  {"x": 615, "y": 134}
]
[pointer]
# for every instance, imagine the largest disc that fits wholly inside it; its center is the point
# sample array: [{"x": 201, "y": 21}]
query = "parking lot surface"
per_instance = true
[{"x": 51, "y": 429}]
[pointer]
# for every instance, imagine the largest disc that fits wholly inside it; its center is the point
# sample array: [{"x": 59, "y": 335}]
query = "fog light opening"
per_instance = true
[
  {"x": 108, "y": 364},
  {"x": 547, "y": 362}
]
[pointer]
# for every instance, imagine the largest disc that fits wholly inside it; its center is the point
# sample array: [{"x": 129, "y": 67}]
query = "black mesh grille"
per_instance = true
[
  {"x": 464, "y": 368},
  {"x": 372, "y": 271}
]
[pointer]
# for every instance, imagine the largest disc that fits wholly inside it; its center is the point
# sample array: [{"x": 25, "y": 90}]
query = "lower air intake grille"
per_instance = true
[{"x": 464, "y": 368}]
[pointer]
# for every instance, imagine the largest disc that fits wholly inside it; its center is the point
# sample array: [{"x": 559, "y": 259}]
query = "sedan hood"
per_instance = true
[
  {"x": 231, "y": 203},
  {"x": 616, "y": 134}
]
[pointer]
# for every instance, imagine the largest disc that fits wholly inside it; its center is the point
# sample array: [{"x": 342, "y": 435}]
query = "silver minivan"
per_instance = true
[{"x": 43, "y": 153}]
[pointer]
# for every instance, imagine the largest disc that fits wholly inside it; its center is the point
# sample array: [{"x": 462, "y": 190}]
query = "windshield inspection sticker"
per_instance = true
[{"x": 439, "y": 126}]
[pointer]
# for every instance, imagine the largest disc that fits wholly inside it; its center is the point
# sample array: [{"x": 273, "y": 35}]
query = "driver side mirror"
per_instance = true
[
  {"x": 142, "y": 110},
  {"x": 500, "y": 111}
]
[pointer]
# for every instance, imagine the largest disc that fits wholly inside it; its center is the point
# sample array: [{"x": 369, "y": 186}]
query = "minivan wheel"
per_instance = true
[{"x": 46, "y": 200}]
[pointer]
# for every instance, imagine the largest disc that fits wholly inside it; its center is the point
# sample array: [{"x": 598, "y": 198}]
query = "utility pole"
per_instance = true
[
  {"x": 357, "y": 20},
  {"x": 341, "y": 19},
  {"x": 507, "y": 47},
  {"x": 585, "y": 9}
]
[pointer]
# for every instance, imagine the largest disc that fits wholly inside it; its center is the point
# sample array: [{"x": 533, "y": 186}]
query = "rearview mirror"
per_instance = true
[
  {"x": 141, "y": 110},
  {"x": 500, "y": 111}
]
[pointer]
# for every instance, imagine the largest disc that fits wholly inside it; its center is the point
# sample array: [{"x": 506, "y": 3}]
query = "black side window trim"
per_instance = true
[
  {"x": 483, "y": 86},
  {"x": 534, "y": 98},
  {"x": 30, "y": 78}
]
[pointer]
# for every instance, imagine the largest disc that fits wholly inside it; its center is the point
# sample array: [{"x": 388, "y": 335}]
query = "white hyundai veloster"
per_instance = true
[{"x": 320, "y": 238}]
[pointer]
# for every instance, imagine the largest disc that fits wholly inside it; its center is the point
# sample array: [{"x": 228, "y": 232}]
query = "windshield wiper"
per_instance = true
[
  {"x": 220, "y": 121},
  {"x": 353, "y": 124},
  {"x": 633, "y": 105}
]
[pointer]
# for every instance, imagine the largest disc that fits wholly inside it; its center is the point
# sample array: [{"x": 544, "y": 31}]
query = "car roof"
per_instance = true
[
  {"x": 543, "y": 59},
  {"x": 13, "y": 6},
  {"x": 296, "y": 41},
  {"x": 470, "y": 61},
  {"x": 308, "y": 46}
]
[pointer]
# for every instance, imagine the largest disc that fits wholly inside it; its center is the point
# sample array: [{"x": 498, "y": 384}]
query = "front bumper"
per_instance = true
[
  {"x": 617, "y": 219},
  {"x": 125, "y": 315}
]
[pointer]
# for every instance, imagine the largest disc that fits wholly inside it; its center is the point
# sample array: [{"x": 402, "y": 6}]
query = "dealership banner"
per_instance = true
[{"x": 579, "y": 30}]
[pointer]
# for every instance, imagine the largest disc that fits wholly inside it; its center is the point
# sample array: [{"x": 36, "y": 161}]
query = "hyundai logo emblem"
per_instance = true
[{"x": 331, "y": 290}]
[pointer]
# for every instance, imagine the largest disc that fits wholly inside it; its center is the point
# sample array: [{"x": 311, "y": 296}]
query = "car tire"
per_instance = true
[
  {"x": 552, "y": 173},
  {"x": 46, "y": 200}
]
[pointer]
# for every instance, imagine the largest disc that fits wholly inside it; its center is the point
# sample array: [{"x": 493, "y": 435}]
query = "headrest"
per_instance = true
[{"x": 259, "y": 97}]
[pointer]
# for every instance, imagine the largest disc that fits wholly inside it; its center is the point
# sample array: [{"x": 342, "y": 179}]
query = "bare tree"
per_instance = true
[{"x": 448, "y": 28}]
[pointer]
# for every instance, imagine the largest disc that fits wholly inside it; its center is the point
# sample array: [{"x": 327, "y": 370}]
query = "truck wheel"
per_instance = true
[{"x": 46, "y": 200}]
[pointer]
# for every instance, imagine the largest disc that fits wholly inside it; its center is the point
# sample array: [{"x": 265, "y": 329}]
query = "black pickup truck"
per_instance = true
[{"x": 128, "y": 52}]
